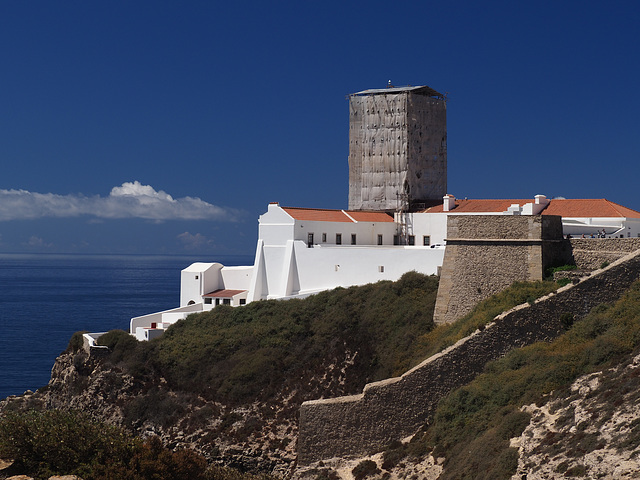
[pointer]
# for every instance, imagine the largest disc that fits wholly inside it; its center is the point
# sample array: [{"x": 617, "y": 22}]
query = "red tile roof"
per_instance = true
[
  {"x": 325, "y": 215},
  {"x": 599, "y": 207},
  {"x": 223, "y": 293},
  {"x": 370, "y": 216},
  {"x": 481, "y": 206}
]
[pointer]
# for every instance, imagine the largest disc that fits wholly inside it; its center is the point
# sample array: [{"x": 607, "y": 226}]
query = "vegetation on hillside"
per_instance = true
[
  {"x": 446, "y": 335},
  {"x": 371, "y": 332},
  {"x": 46, "y": 443},
  {"x": 243, "y": 354},
  {"x": 473, "y": 425}
]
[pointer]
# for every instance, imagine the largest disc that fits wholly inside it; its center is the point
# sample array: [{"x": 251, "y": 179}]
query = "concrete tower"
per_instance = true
[{"x": 397, "y": 148}]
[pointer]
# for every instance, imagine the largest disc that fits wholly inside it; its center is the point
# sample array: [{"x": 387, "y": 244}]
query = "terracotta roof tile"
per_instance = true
[
  {"x": 481, "y": 205},
  {"x": 598, "y": 207},
  {"x": 326, "y": 215},
  {"x": 379, "y": 217},
  {"x": 223, "y": 293},
  {"x": 317, "y": 214}
]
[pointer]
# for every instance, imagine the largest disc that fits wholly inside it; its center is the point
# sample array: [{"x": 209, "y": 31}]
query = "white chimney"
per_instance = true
[
  {"x": 541, "y": 199},
  {"x": 448, "y": 203}
]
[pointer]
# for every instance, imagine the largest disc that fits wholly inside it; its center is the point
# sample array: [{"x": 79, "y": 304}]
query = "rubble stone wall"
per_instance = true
[
  {"x": 591, "y": 253},
  {"x": 398, "y": 407},
  {"x": 487, "y": 253}
]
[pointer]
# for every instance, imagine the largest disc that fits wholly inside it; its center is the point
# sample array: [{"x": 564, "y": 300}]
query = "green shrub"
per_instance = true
[
  {"x": 393, "y": 455},
  {"x": 53, "y": 442},
  {"x": 76, "y": 343},
  {"x": 365, "y": 469},
  {"x": 119, "y": 342},
  {"x": 156, "y": 406}
]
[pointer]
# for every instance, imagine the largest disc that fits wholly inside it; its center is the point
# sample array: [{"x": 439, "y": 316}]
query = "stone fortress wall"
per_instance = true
[
  {"x": 395, "y": 408},
  {"x": 591, "y": 253},
  {"x": 487, "y": 253}
]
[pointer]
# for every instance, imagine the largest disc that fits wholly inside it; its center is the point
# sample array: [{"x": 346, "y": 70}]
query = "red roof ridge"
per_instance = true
[
  {"x": 223, "y": 292},
  {"x": 336, "y": 215}
]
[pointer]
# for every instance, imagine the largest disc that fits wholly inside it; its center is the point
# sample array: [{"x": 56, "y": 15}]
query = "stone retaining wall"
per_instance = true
[
  {"x": 396, "y": 408},
  {"x": 487, "y": 253},
  {"x": 591, "y": 253}
]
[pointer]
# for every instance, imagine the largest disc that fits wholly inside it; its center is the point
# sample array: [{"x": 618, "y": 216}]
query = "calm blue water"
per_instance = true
[{"x": 44, "y": 299}]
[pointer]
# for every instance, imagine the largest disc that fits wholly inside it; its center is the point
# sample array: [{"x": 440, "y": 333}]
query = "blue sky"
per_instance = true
[{"x": 167, "y": 127}]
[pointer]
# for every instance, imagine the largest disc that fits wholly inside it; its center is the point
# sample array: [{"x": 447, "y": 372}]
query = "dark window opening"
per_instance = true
[
  {"x": 412, "y": 240},
  {"x": 379, "y": 239},
  {"x": 226, "y": 301},
  {"x": 338, "y": 239},
  {"x": 208, "y": 301},
  {"x": 426, "y": 240},
  {"x": 310, "y": 240},
  {"x": 353, "y": 239}
]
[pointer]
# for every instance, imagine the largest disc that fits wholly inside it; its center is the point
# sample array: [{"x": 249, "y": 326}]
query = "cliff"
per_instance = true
[
  {"x": 229, "y": 384},
  {"x": 530, "y": 412}
]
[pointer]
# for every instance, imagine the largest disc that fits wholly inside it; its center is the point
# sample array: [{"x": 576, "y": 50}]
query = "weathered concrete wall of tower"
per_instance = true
[
  {"x": 377, "y": 150},
  {"x": 426, "y": 148},
  {"x": 397, "y": 145},
  {"x": 487, "y": 253}
]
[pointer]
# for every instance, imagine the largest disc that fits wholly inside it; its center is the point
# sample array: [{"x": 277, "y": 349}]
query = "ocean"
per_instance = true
[{"x": 44, "y": 299}]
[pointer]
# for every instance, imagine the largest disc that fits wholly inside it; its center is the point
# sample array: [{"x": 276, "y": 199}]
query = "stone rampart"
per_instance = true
[
  {"x": 591, "y": 253},
  {"x": 396, "y": 408},
  {"x": 487, "y": 253}
]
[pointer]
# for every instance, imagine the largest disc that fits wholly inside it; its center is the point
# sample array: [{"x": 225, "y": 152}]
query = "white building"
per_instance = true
[
  {"x": 397, "y": 161},
  {"x": 303, "y": 251}
]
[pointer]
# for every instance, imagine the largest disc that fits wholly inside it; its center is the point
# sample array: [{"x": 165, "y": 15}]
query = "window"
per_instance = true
[
  {"x": 243, "y": 301},
  {"x": 310, "y": 240},
  {"x": 426, "y": 240},
  {"x": 396, "y": 240},
  {"x": 324, "y": 238},
  {"x": 217, "y": 301},
  {"x": 226, "y": 301},
  {"x": 379, "y": 239},
  {"x": 338, "y": 239},
  {"x": 381, "y": 268},
  {"x": 353, "y": 239},
  {"x": 208, "y": 301},
  {"x": 412, "y": 239}
]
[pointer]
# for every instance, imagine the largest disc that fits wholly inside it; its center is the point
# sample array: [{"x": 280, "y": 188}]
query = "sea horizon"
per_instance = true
[{"x": 46, "y": 297}]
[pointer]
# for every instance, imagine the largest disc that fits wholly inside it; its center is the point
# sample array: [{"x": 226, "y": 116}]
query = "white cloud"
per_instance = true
[
  {"x": 130, "y": 200},
  {"x": 193, "y": 242},
  {"x": 38, "y": 242}
]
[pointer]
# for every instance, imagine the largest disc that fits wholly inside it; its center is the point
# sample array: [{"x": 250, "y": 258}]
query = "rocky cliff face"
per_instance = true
[
  {"x": 592, "y": 430},
  {"x": 256, "y": 437}
]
